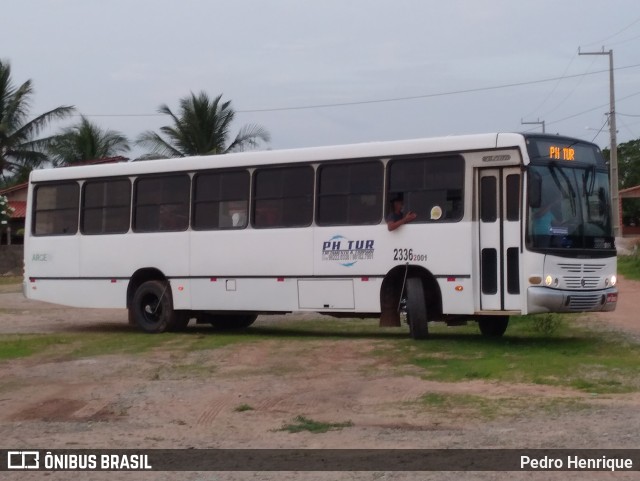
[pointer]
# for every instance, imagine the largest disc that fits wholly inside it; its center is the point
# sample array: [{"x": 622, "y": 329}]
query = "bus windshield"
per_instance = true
[{"x": 569, "y": 199}]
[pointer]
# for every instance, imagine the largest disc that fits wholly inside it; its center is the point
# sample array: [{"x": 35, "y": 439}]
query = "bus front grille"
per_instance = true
[
  {"x": 577, "y": 282},
  {"x": 579, "y": 268},
  {"x": 584, "y": 302}
]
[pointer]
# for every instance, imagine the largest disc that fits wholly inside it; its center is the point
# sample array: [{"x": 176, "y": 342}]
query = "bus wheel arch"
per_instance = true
[
  {"x": 392, "y": 290},
  {"x": 140, "y": 277},
  {"x": 150, "y": 303}
]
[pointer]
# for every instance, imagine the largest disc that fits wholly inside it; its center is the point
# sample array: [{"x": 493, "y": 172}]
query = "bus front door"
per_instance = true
[{"x": 499, "y": 208}]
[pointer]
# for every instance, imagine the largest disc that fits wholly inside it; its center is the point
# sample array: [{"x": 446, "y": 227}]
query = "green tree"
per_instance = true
[
  {"x": 202, "y": 127},
  {"x": 20, "y": 149},
  {"x": 628, "y": 175},
  {"x": 86, "y": 141}
]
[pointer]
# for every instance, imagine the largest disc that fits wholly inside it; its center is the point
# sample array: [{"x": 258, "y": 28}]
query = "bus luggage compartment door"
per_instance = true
[{"x": 319, "y": 294}]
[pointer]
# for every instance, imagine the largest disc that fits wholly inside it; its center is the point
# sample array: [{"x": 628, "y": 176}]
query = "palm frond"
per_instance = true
[
  {"x": 35, "y": 126},
  {"x": 202, "y": 126},
  {"x": 158, "y": 145},
  {"x": 249, "y": 136}
]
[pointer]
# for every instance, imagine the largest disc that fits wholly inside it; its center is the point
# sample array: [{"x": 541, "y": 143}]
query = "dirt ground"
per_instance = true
[{"x": 148, "y": 401}]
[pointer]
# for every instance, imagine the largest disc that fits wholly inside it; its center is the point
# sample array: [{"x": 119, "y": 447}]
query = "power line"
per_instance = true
[
  {"x": 387, "y": 100},
  {"x": 425, "y": 96},
  {"x": 554, "y": 88},
  {"x": 603, "y": 126},
  {"x": 575, "y": 87},
  {"x": 615, "y": 34},
  {"x": 591, "y": 109}
]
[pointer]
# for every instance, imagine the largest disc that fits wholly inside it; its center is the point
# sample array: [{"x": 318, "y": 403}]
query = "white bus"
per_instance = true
[{"x": 506, "y": 224}]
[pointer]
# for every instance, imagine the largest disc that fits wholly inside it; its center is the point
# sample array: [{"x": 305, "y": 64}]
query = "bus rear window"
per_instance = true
[{"x": 56, "y": 209}]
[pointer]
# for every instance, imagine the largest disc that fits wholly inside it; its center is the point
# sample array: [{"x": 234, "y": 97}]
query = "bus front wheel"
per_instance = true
[
  {"x": 493, "y": 326},
  {"x": 416, "y": 309},
  {"x": 152, "y": 307}
]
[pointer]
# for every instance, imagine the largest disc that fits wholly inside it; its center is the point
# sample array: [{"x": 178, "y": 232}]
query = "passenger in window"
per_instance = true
[{"x": 397, "y": 216}]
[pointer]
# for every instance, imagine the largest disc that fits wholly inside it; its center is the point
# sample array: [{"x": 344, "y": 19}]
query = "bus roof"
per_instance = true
[{"x": 271, "y": 157}]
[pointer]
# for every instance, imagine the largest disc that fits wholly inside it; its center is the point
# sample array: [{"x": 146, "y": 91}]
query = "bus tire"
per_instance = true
[
  {"x": 180, "y": 321},
  {"x": 493, "y": 326},
  {"x": 417, "y": 309},
  {"x": 229, "y": 322},
  {"x": 152, "y": 307}
]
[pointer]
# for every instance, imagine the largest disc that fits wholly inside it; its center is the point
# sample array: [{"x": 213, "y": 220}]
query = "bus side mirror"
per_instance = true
[{"x": 535, "y": 190}]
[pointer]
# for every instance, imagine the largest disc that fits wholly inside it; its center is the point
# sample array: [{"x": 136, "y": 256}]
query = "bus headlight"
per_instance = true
[
  {"x": 548, "y": 280},
  {"x": 614, "y": 279}
]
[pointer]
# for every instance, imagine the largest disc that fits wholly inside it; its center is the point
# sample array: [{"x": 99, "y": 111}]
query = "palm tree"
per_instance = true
[
  {"x": 202, "y": 127},
  {"x": 86, "y": 141},
  {"x": 20, "y": 150}
]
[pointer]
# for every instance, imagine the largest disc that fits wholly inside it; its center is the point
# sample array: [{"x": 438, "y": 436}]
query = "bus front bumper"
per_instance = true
[{"x": 545, "y": 299}]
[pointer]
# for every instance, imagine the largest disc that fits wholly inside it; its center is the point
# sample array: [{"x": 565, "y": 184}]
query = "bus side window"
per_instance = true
[
  {"x": 106, "y": 206},
  {"x": 283, "y": 197},
  {"x": 221, "y": 200},
  {"x": 162, "y": 203},
  {"x": 56, "y": 209},
  {"x": 350, "y": 193},
  {"x": 432, "y": 186}
]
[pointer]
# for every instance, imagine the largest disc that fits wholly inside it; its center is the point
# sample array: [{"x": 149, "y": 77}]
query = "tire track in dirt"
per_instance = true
[{"x": 209, "y": 415}]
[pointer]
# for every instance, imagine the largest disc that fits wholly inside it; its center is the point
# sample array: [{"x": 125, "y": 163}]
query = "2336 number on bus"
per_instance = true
[{"x": 408, "y": 255}]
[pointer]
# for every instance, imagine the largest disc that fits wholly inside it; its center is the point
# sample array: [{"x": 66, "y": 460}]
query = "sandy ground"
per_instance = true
[{"x": 159, "y": 400}]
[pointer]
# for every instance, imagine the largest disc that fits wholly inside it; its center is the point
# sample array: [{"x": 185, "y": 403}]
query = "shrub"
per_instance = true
[{"x": 547, "y": 324}]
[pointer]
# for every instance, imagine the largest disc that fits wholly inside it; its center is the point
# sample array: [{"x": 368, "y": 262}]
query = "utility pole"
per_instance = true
[
  {"x": 537, "y": 122},
  {"x": 613, "y": 162}
]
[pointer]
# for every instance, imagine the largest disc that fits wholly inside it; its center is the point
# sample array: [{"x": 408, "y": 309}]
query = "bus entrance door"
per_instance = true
[{"x": 499, "y": 223}]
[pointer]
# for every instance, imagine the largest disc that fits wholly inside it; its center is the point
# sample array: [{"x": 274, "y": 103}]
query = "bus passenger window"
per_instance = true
[
  {"x": 161, "y": 203},
  {"x": 283, "y": 197},
  {"x": 221, "y": 200},
  {"x": 106, "y": 206},
  {"x": 350, "y": 194},
  {"x": 432, "y": 187},
  {"x": 56, "y": 209}
]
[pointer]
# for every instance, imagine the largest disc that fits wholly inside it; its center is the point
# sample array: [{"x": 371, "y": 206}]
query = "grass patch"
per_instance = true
[
  {"x": 555, "y": 350},
  {"x": 547, "y": 324},
  {"x": 83, "y": 344},
  {"x": 242, "y": 408},
  {"x": 572, "y": 356},
  {"x": 17, "y": 346},
  {"x": 305, "y": 424},
  {"x": 488, "y": 408},
  {"x": 629, "y": 266},
  {"x": 10, "y": 280}
]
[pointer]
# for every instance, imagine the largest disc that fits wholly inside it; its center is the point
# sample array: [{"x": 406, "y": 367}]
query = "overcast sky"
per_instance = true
[{"x": 118, "y": 60}]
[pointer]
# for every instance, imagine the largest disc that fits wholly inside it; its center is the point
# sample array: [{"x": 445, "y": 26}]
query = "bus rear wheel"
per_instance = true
[
  {"x": 493, "y": 326},
  {"x": 416, "y": 309},
  {"x": 228, "y": 322},
  {"x": 152, "y": 307}
]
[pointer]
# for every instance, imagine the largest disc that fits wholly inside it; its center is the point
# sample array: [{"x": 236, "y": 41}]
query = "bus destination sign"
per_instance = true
[{"x": 557, "y": 152}]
